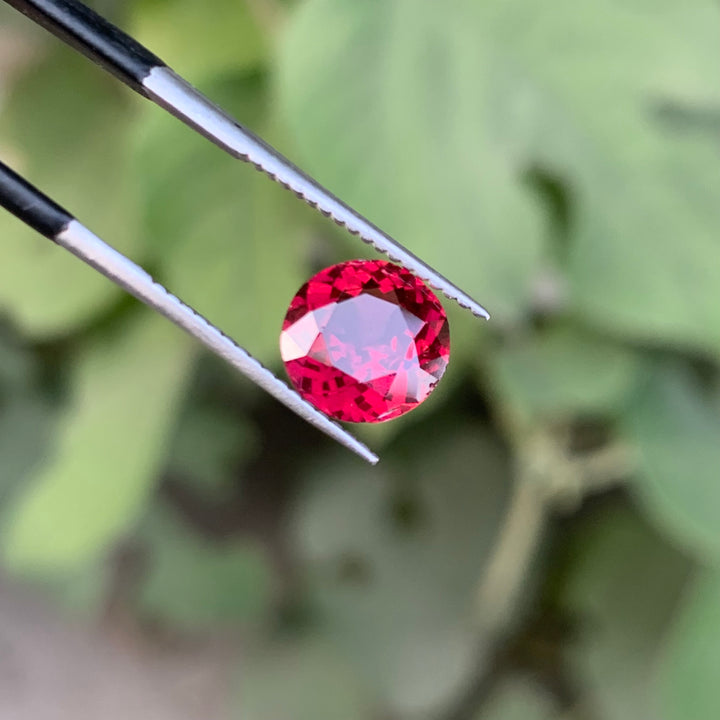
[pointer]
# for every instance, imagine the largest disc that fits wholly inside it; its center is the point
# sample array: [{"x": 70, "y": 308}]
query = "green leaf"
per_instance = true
[
  {"x": 300, "y": 680},
  {"x": 630, "y": 273},
  {"x": 110, "y": 445},
  {"x": 622, "y": 591},
  {"x": 429, "y": 116},
  {"x": 194, "y": 583},
  {"x": 233, "y": 243},
  {"x": 564, "y": 372},
  {"x": 688, "y": 685},
  {"x": 198, "y": 38},
  {"x": 675, "y": 425},
  {"x": 393, "y": 565},
  {"x": 66, "y": 124}
]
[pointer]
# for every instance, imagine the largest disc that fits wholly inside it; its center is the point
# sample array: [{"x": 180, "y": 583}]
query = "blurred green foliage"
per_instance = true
[{"x": 559, "y": 161}]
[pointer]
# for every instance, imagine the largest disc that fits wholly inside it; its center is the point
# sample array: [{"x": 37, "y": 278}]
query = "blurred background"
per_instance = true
[{"x": 540, "y": 540}]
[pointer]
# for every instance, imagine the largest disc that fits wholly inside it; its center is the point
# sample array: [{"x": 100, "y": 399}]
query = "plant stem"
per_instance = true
[
  {"x": 511, "y": 557},
  {"x": 548, "y": 477}
]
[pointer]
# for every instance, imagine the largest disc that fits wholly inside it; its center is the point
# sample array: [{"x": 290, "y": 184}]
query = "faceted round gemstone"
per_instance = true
[{"x": 365, "y": 341}]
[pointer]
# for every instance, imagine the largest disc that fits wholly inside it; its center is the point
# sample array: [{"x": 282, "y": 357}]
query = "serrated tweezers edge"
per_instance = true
[{"x": 181, "y": 99}]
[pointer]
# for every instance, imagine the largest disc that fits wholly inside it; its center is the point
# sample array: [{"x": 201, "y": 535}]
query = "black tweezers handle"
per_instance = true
[
  {"x": 93, "y": 36},
  {"x": 30, "y": 205}
]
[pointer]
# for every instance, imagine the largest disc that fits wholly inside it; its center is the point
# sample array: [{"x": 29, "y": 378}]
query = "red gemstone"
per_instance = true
[{"x": 365, "y": 341}]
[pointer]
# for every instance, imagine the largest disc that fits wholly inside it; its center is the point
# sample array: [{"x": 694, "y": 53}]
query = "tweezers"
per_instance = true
[{"x": 146, "y": 74}]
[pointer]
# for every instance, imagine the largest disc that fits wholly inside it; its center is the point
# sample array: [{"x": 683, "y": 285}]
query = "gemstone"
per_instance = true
[{"x": 365, "y": 341}]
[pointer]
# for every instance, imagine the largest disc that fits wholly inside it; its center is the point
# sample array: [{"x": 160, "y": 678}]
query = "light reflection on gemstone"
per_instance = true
[{"x": 365, "y": 341}]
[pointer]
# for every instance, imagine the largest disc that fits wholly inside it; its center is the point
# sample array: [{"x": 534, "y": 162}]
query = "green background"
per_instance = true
[{"x": 542, "y": 538}]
